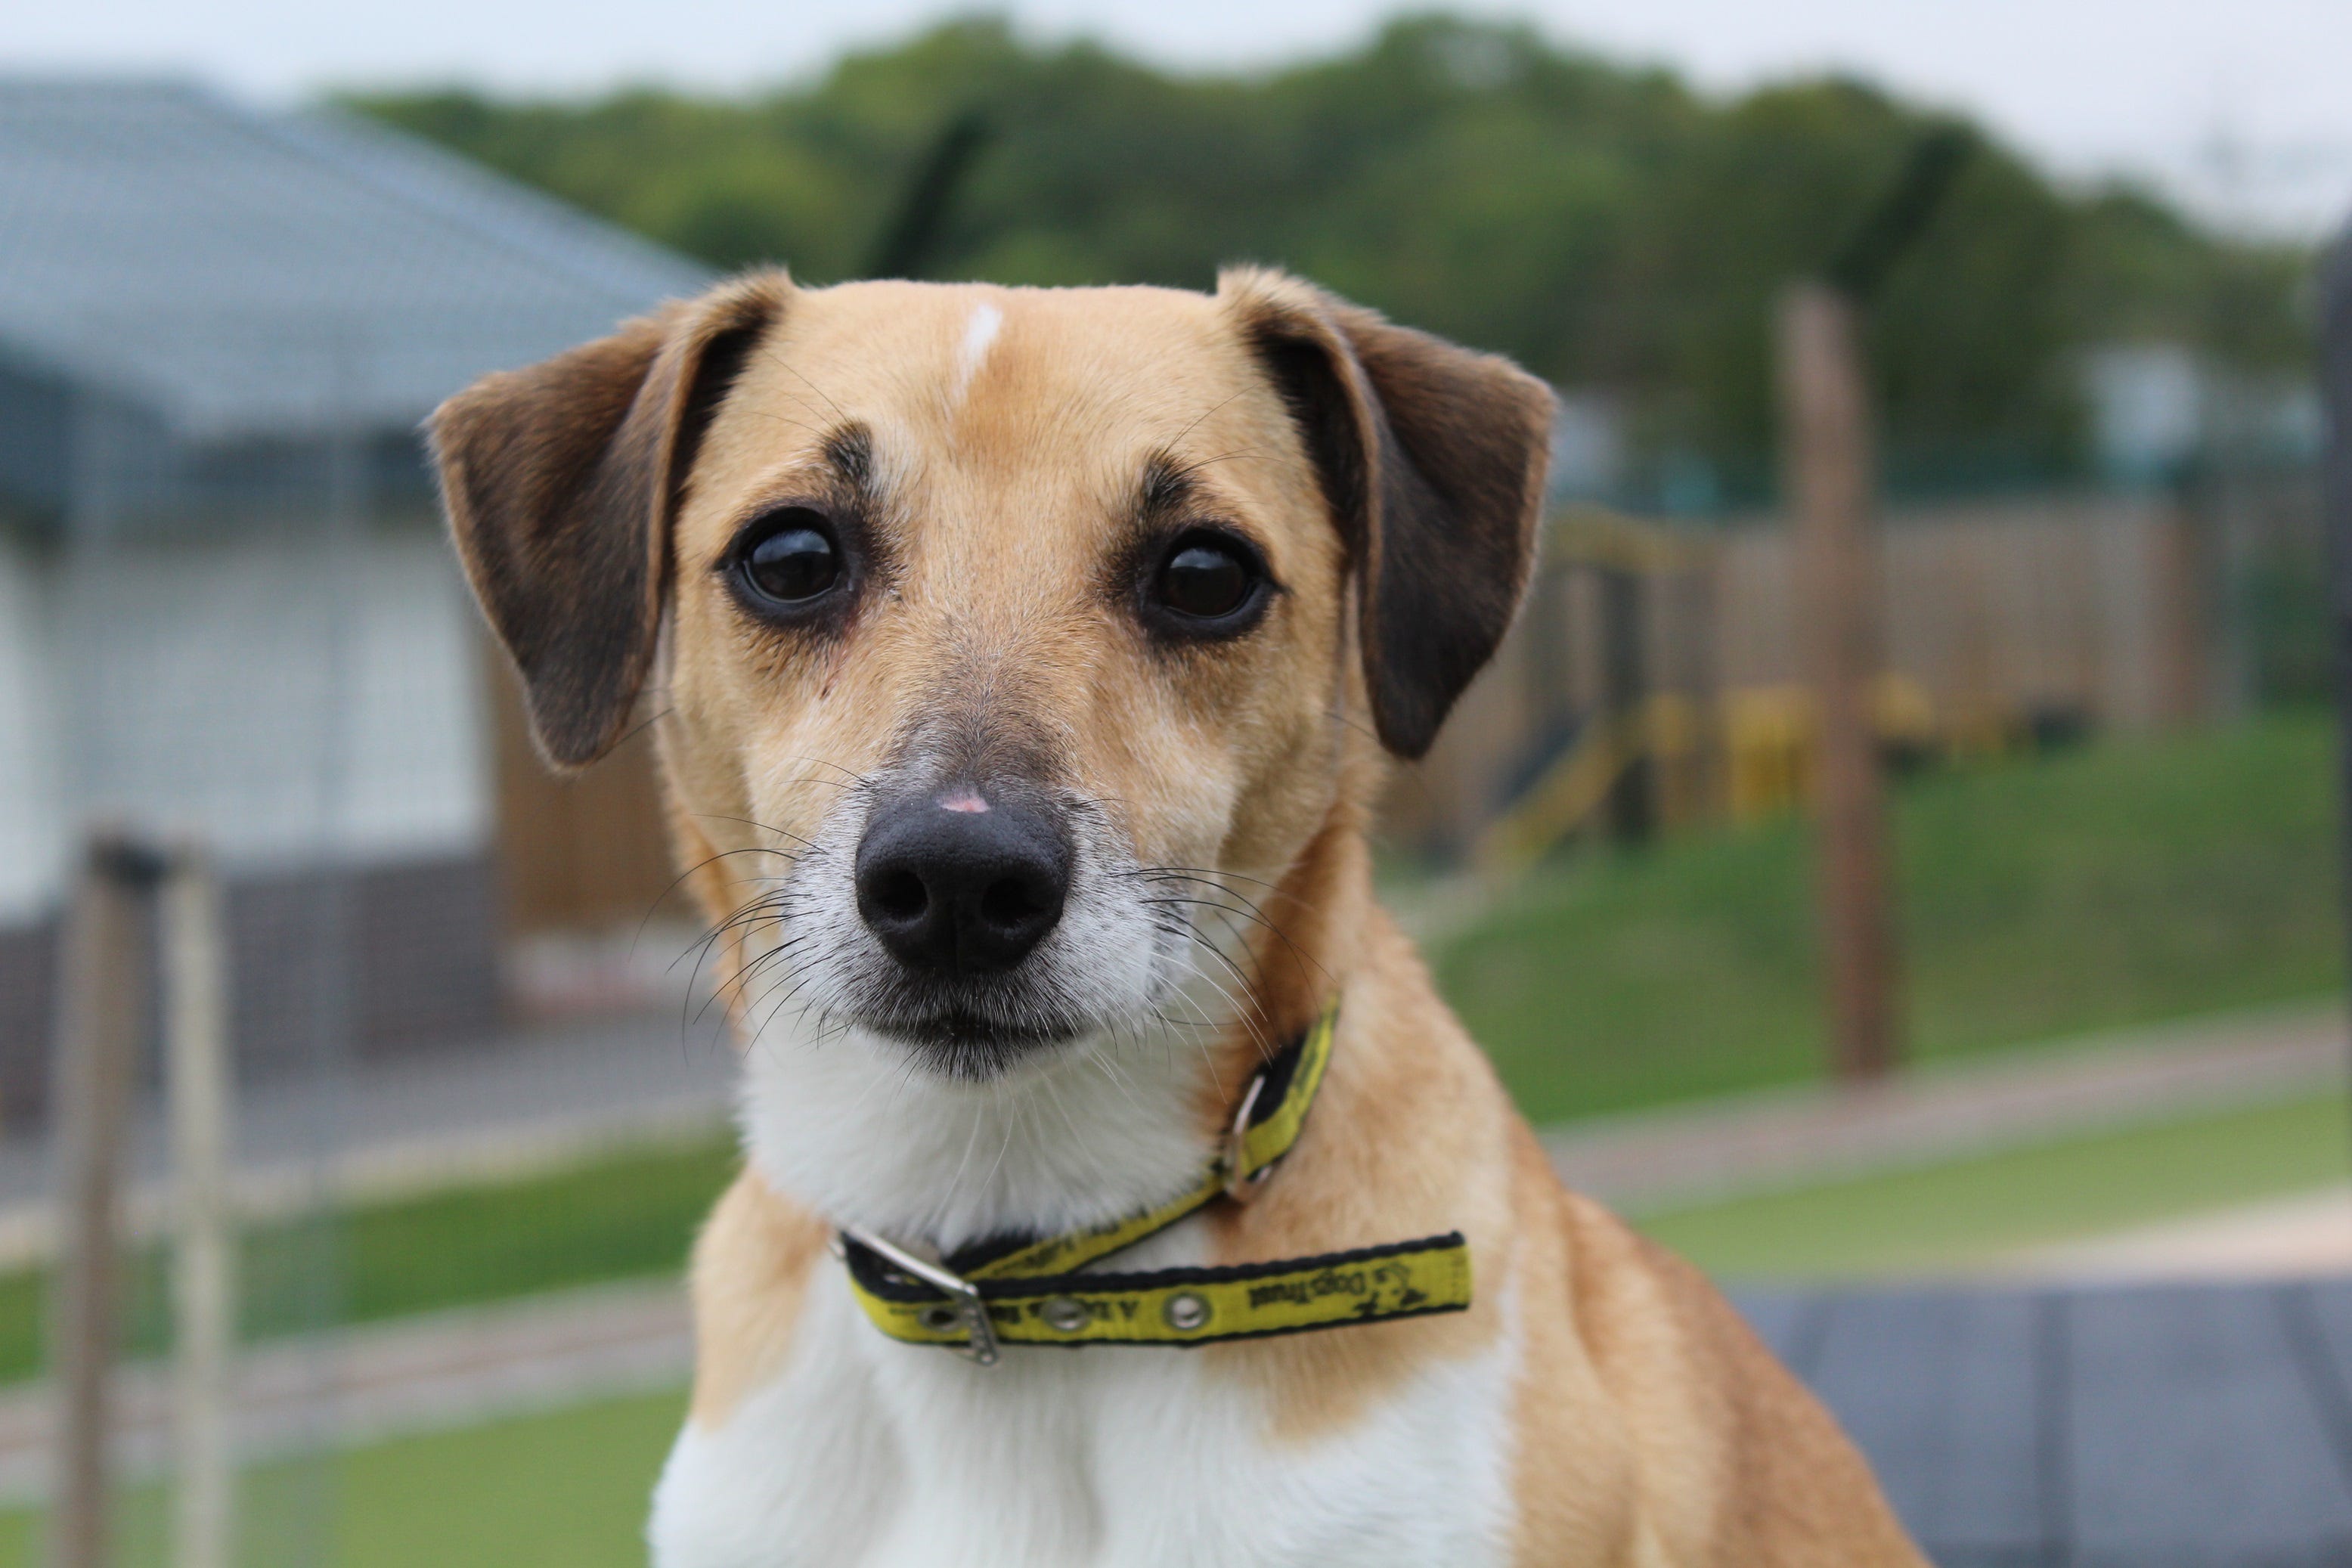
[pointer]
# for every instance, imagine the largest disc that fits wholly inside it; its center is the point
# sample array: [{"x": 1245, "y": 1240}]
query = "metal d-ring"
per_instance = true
[
  {"x": 964, "y": 1305},
  {"x": 1242, "y": 1183}
]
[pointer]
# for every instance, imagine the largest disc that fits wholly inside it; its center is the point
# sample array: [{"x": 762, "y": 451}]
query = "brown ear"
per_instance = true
[
  {"x": 560, "y": 481},
  {"x": 1432, "y": 457}
]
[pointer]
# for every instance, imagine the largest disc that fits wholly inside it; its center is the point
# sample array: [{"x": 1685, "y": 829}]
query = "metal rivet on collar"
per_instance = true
[
  {"x": 1064, "y": 1314},
  {"x": 939, "y": 1320},
  {"x": 1186, "y": 1311}
]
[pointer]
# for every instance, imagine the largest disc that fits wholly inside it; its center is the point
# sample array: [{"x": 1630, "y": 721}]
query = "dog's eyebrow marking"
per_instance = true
[
  {"x": 1167, "y": 488},
  {"x": 850, "y": 450},
  {"x": 980, "y": 331}
]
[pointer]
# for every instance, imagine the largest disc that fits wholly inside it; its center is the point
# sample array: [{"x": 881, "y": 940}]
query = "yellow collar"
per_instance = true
[{"x": 1032, "y": 1292}]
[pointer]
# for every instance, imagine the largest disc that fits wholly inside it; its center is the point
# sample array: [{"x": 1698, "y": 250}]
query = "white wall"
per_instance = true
[
  {"x": 280, "y": 695},
  {"x": 31, "y": 851}
]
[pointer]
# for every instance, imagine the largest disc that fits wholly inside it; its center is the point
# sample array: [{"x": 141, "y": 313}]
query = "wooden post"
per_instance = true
[
  {"x": 1829, "y": 481},
  {"x": 103, "y": 1009},
  {"x": 1624, "y": 683},
  {"x": 2335, "y": 386},
  {"x": 199, "y": 1083}
]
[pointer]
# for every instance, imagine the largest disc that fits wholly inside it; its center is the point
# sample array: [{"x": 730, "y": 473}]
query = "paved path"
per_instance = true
[
  {"x": 1649, "y": 1159},
  {"x": 541, "y": 1099},
  {"x": 2305, "y": 1235},
  {"x": 417, "y": 1375},
  {"x": 534, "y": 1101}
]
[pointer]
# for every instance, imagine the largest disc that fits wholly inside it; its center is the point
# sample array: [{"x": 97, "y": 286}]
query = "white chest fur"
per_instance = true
[{"x": 866, "y": 1453}]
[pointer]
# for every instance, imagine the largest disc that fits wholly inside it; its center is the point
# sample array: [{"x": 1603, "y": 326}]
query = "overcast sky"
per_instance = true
[{"x": 2244, "y": 107}]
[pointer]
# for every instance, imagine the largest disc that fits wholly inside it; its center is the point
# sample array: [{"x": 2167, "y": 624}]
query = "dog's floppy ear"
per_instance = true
[
  {"x": 1432, "y": 457},
  {"x": 560, "y": 483}
]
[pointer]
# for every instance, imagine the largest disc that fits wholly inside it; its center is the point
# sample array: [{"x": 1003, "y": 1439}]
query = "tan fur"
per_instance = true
[
  {"x": 1651, "y": 1427},
  {"x": 750, "y": 1267}
]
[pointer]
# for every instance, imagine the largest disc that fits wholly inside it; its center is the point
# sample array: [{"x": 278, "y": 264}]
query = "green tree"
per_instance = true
[{"x": 1605, "y": 225}]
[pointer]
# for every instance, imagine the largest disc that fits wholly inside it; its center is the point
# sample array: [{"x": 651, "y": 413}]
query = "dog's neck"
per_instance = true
[{"x": 1093, "y": 1130}]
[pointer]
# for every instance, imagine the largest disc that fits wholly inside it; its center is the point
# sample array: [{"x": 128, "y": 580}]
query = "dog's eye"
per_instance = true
[
  {"x": 1208, "y": 579},
  {"x": 792, "y": 558}
]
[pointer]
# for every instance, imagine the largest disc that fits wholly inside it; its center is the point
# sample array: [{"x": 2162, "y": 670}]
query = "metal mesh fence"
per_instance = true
[
  {"x": 479, "y": 1103},
  {"x": 275, "y": 675}
]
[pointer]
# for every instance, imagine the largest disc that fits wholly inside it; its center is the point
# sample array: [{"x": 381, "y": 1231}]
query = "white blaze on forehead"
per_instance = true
[{"x": 979, "y": 332}]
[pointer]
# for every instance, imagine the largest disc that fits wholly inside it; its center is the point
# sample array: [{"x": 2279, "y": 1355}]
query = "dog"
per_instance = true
[{"x": 1025, "y": 665}]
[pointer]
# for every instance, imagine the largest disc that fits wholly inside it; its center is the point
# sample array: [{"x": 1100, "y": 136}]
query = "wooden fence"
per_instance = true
[{"x": 2043, "y": 616}]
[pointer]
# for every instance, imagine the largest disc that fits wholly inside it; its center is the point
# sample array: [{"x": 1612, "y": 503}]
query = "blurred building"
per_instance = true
[
  {"x": 226, "y": 605},
  {"x": 1588, "y": 446},
  {"x": 2159, "y": 411}
]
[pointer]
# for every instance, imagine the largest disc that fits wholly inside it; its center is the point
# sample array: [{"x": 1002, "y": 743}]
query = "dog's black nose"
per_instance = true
[{"x": 956, "y": 883}]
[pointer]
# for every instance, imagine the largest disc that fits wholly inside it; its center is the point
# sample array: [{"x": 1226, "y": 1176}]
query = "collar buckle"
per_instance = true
[
  {"x": 1242, "y": 1183},
  {"x": 963, "y": 1306}
]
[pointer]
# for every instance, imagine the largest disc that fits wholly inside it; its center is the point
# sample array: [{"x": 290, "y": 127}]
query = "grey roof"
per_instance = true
[{"x": 249, "y": 274}]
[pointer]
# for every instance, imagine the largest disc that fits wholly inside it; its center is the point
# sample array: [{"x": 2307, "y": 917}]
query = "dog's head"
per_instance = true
[{"x": 1000, "y": 633}]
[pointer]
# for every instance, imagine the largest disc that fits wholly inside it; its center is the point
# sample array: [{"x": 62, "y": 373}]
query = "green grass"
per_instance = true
[
  {"x": 620, "y": 1218},
  {"x": 2123, "y": 884},
  {"x": 628, "y": 1216},
  {"x": 567, "y": 1489},
  {"x": 1968, "y": 1210}
]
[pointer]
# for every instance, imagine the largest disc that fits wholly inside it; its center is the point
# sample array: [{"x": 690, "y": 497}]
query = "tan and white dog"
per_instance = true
[{"x": 1025, "y": 664}]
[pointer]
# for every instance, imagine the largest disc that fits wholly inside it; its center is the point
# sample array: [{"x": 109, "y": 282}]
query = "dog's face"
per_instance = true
[
  {"x": 1004, "y": 635},
  {"x": 1006, "y": 613}
]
